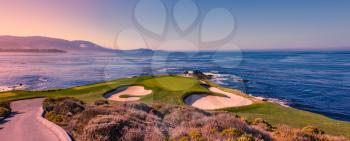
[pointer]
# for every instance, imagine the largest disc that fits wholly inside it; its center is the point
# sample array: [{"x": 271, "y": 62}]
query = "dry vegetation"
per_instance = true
[
  {"x": 138, "y": 122},
  {"x": 5, "y": 110},
  {"x": 309, "y": 133}
]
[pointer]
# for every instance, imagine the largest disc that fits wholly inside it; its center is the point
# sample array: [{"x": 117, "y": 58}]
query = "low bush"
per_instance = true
[
  {"x": 232, "y": 132},
  {"x": 117, "y": 123},
  {"x": 285, "y": 133},
  {"x": 246, "y": 137},
  {"x": 312, "y": 130},
  {"x": 101, "y": 102},
  {"x": 4, "y": 112},
  {"x": 58, "y": 110},
  {"x": 138, "y": 121},
  {"x": 52, "y": 116},
  {"x": 196, "y": 135},
  {"x": 157, "y": 106},
  {"x": 263, "y": 124},
  {"x": 64, "y": 106},
  {"x": 5, "y": 105}
]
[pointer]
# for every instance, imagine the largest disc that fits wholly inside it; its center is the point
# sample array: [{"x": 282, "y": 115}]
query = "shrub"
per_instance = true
[
  {"x": 157, "y": 106},
  {"x": 138, "y": 121},
  {"x": 246, "y": 137},
  {"x": 257, "y": 121},
  {"x": 138, "y": 106},
  {"x": 117, "y": 123},
  {"x": 196, "y": 135},
  {"x": 211, "y": 130},
  {"x": 58, "y": 110},
  {"x": 52, "y": 116},
  {"x": 285, "y": 133},
  {"x": 105, "y": 128},
  {"x": 231, "y": 132},
  {"x": 263, "y": 124},
  {"x": 4, "y": 112},
  {"x": 221, "y": 121},
  {"x": 64, "y": 106},
  {"x": 186, "y": 117},
  {"x": 101, "y": 102},
  {"x": 312, "y": 130},
  {"x": 5, "y": 105},
  {"x": 182, "y": 138},
  {"x": 245, "y": 120}
]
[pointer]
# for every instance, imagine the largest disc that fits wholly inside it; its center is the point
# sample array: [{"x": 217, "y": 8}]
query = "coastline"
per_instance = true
[
  {"x": 273, "y": 113},
  {"x": 12, "y": 88},
  {"x": 216, "y": 77}
]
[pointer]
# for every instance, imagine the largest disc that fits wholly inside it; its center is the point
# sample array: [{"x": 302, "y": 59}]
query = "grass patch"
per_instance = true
[
  {"x": 128, "y": 96},
  {"x": 87, "y": 93},
  {"x": 173, "y": 89},
  {"x": 172, "y": 83}
]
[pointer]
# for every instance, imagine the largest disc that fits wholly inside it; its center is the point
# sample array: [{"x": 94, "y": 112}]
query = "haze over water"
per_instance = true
[{"x": 313, "y": 81}]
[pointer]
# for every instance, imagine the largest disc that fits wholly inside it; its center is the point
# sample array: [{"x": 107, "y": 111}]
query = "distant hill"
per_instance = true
[
  {"x": 34, "y": 50},
  {"x": 42, "y": 44},
  {"x": 45, "y": 44}
]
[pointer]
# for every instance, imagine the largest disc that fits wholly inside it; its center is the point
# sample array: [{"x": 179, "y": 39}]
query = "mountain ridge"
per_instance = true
[{"x": 40, "y": 42}]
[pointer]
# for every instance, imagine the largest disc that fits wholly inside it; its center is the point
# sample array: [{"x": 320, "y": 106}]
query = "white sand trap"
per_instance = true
[
  {"x": 131, "y": 91},
  {"x": 208, "y": 102}
]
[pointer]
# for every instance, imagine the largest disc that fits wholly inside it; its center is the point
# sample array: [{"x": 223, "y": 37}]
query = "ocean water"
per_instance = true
[{"x": 313, "y": 81}]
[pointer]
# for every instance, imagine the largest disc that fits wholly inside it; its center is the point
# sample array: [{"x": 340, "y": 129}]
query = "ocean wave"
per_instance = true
[
  {"x": 273, "y": 100},
  {"x": 165, "y": 69},
  {"x": 293, "y": 59},
  {"x": 223, "y": 79},
  {"x": 14, "y": 87},
  {"x": 218, "y": 78}
]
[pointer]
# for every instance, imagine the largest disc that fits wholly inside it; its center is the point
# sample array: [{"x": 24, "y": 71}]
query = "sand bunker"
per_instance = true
[
  {"x": 133, "y": 92},
  {"x": 208, "y": 102}
]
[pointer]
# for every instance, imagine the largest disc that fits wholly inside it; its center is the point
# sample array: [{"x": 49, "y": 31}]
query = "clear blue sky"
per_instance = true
[{"x": 261, "y": 24}]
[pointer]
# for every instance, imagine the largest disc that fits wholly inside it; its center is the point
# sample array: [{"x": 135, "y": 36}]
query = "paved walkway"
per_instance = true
[{"x": 23, "y": 125}]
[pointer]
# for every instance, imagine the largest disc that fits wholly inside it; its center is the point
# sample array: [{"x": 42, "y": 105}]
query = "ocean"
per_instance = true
[{"x": 312, "y": 81}]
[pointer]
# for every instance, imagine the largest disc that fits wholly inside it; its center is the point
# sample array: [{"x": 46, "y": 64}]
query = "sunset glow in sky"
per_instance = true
[{"x": 268, "y": 24}]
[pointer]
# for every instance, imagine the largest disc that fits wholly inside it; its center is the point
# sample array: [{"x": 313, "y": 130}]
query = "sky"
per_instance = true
[{"x": 258, "y": 24}]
